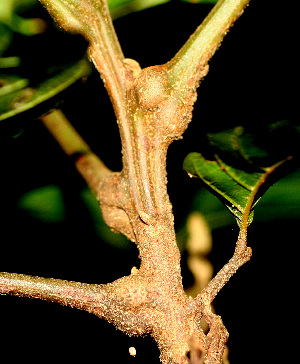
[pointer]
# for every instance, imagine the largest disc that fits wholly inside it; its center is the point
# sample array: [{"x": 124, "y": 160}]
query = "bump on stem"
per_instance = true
[{"x": 150, "y": 300}]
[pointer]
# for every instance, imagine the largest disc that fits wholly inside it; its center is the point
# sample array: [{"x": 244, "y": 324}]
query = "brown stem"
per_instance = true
[
  {"x": 87, "y": 163},
  {"x": 217, "y": 336},
  {"x": 153, "y": 107},
  {"x": 99, "y": 178},
  {"x": 241, "y": 255},
  {"x": 106, "y": 53},
  {"x": 73, "y": 294},
  {"x": 92, "y": 19}
]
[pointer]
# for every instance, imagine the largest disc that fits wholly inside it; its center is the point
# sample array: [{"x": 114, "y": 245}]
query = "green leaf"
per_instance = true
[
  {"x": 12, "y": 83},
  {"x": 212, "y": 173},
  {"x": 18, "y": 94},
  {"x": 10, "y": 18},
  {"x": 284, "y": 195},
  {"x": 35, "y": 80},
  {"x": 260, "y": 146},
  {"x": 236, "y": 188},
  {"x": 45, "y": 203},
  {"x": 239, "y": 182},
  {"x": 6, "y": 35}
]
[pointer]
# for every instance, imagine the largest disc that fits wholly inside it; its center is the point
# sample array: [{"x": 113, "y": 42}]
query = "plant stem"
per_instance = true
[
  {"x": 193, "y": 57},
  {"x": 87, "y": 163},
  {"x": 241, "y": 256},
  {"x": 74, "y": 294},
  {"x": 92, "y": 20},
  {"x": 153, "y": 107},
  {"x": 107, "y": 55}
]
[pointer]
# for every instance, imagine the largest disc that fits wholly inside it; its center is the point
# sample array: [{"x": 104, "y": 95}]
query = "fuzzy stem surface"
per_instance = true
[
  {"x": 72, "y": 294},
  {"x": 153, "y": 107},
  {"x": 193, "y": 57}
]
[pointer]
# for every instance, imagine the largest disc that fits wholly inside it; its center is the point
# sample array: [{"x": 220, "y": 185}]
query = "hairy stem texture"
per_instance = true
[
  {"x": 153, "y": 107},
  {"x": 73, "y": 294},
  {"x": 192, "y": 59}
]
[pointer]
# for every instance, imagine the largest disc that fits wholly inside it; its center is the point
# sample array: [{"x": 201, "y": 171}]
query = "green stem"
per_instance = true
[{"x": 201, "y": 46}]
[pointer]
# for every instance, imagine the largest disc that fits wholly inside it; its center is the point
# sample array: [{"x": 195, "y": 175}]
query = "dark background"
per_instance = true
[{"x": 253, "y": 79}]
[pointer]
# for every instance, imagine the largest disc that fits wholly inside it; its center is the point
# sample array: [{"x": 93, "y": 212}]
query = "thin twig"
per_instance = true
[
  {"x": 217, "y": 336},
  {"x": 79, "y": 295},
  {"x": 87, "y": 163},
  {"x": 193, "y": 57},
  {"x": 241, "y": 256}
]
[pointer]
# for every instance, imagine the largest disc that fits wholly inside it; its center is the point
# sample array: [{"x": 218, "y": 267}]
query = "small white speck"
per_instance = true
[{"x": 132, "y": 351}]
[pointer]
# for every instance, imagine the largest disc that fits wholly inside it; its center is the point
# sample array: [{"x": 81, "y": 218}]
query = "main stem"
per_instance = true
[{"x": 153, "y": 107}]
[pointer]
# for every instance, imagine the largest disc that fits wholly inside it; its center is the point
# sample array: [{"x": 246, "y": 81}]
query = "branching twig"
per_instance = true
[
  {"x": 192, "y": 59},
  {"x": 88, "y": 164},
  {"x": 91, "y": 18},
  {"x": 73, "y": 294},
  {"x": 217, "y": 336},
  {"x": 241, "y": 256},
  {"x": 153, "y": 107},
  {"x": 91, "y": 168}
]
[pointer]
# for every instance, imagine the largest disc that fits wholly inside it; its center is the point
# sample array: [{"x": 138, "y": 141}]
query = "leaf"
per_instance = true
[
  {"x": 34, "y": 79},
  {"x": 48, "y": 205},
  {"x": 45, "y": 203},
  {"x": 236, "y": 188},
  {"x": 238, "y": 182},
  {"x": 19, "y": 94},
  {"x": 6, "y": 11},
  {"x": 283, "y": 196},
  {"x": 16, "y": 23},
  {"x": 261, "y": 146}
]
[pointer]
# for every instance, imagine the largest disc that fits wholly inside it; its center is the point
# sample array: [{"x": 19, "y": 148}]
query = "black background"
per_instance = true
[{"x": 253, "y": 79}]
